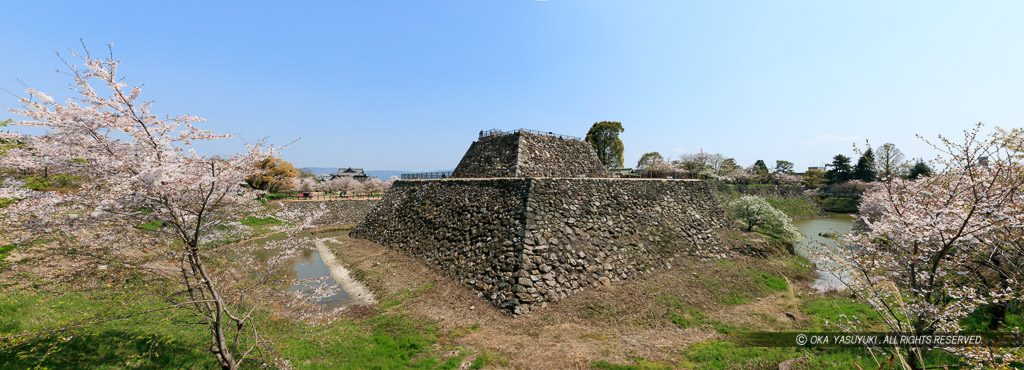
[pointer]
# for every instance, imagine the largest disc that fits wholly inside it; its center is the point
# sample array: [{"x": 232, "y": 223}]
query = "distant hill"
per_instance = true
[
  {"x": 321, "y": 170},
  {"x": 383, "y": 175}
]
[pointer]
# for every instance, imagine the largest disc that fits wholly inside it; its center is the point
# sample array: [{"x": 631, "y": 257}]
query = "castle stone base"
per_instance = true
[{"x": 520, "y": 242}]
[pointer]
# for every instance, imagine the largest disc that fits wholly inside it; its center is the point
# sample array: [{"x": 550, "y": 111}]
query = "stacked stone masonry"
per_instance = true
[
  {"x": 522, "y": 242},
  {"x": 339, "y": 212},
  {"x": 524, "y": 154}
]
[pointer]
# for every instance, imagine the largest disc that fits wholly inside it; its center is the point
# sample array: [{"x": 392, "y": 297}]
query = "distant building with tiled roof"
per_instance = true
[{"x": 355, "y": 173}]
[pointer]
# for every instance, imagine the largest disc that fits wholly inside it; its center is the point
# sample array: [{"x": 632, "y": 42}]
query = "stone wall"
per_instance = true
[
  {"x": 551, "y": 156},
  {"x": 493, "y": 156},
  {"x": 521, "y": 243},
  {"x": 470, "y": 229},
  {"x": 339, "y": 212},
  {"x": 524, "y": 154}
]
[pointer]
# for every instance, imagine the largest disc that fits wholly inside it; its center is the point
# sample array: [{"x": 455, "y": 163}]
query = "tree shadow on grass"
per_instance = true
[{"x": 111, "y": 348}]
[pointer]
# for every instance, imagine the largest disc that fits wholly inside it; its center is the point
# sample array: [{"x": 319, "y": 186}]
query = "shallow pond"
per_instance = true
[
  {"x": 814, "y": 229},
  {"x": 308, "y": 271}
]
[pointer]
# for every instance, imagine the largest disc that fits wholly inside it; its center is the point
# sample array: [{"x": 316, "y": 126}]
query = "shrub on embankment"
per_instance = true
[
  {"x": 839, "y": 204},
  {"x": 789, "y": 199}
]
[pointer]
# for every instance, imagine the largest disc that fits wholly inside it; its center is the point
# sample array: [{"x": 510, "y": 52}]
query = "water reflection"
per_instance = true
[
  {"x": 308, "y": 272},
  {"x": 312, "y": 276},
  {"x": 814, "y": 230}
]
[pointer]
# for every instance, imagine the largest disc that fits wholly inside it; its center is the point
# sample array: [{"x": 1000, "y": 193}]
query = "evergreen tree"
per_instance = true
[
  {"x": 840, "y": 171},
  {"x": 919, "y": 169},
  {"x": 785, "y": 167},
  {"x": 760, "y": 167},
  {"x": 865, "y": 168}
]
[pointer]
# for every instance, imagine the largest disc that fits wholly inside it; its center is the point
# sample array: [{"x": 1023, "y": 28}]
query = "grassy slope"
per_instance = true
[
  {"x": 795, "y": 208},
  {"x": 717, "y": 297},
  {"x": 165, "y": 341},
  {"x": 417, "y": 324}
]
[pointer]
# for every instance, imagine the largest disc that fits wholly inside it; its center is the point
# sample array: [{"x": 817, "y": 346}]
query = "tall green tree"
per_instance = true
[
  {"x": 814, "y": 179},
  {"x": 604, "y": 137},
  {"x": 840, "y": 171},
  {"x": 727, "y": 165},
  {"x": 785, "y": 167},
  {"x": 648, "y": 160},
  {"x": 865, "y": 168},
  {"x": 760, "y": 167},
  {"x": 919, "y": 169}
]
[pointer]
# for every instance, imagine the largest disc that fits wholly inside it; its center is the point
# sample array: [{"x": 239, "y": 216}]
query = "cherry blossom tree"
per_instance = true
[
  {"x": 389, "y": 183},
  {"x": 936, "y": 250},
  {"x": 344, "y": 185},
  {"x": 373, "y": 185},
  {"x": 306, "y": 184},
  {"x": 141, "y": 169},
  {"x": 753, "y": 211}
]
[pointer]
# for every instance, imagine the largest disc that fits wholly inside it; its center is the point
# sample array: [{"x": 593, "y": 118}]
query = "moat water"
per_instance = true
[
  {"x": 815, "y": 231},
  {"x": 310, "y": 275}
]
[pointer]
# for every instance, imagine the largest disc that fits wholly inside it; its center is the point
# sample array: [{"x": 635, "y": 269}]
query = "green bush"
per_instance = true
[
  {"x": 276, "y": 196},
  {"x": 840, "y": 204}
]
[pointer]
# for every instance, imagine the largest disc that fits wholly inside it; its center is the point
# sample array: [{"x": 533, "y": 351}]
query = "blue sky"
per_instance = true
[{"x": 406, "y": 85}]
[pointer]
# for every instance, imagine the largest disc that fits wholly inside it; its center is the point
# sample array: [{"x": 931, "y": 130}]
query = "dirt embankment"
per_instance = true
[
  {"x": 655, "y": 317},
  {"x": 360, "y": 294}
]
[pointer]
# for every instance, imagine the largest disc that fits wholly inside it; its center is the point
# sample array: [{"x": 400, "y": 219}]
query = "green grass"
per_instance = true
[
  {"x": 827, "y": 311},
  {"x": 727, "y": 355},
  {"x": 723, "y": 354},
  {"x": 596, "y": 310},
  {"x": 773, "y": 283},
  {"x": 796, "y": 208},
  {"x": 4, "y": 250},
  {"x": 383, "y": 341},
  {"x": 257, "y": 221},
  {"x": 153, "y": 225},
  {"x": 639, "y": 363},
  {"x": 148, "y": 341},
  {"x": 978, "y": 321},
  {"x": 758, "y": 283},
  {"x": 840, "y": 204},
  {"x": 276, "y": 196},
  {"x": 4, "y": 202},
  {"x": 261, "y": 225},
  {"x": 798, "y": 267},
  {"x": 486, "y": 358},
  {"x": 687, "y": 316}
]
